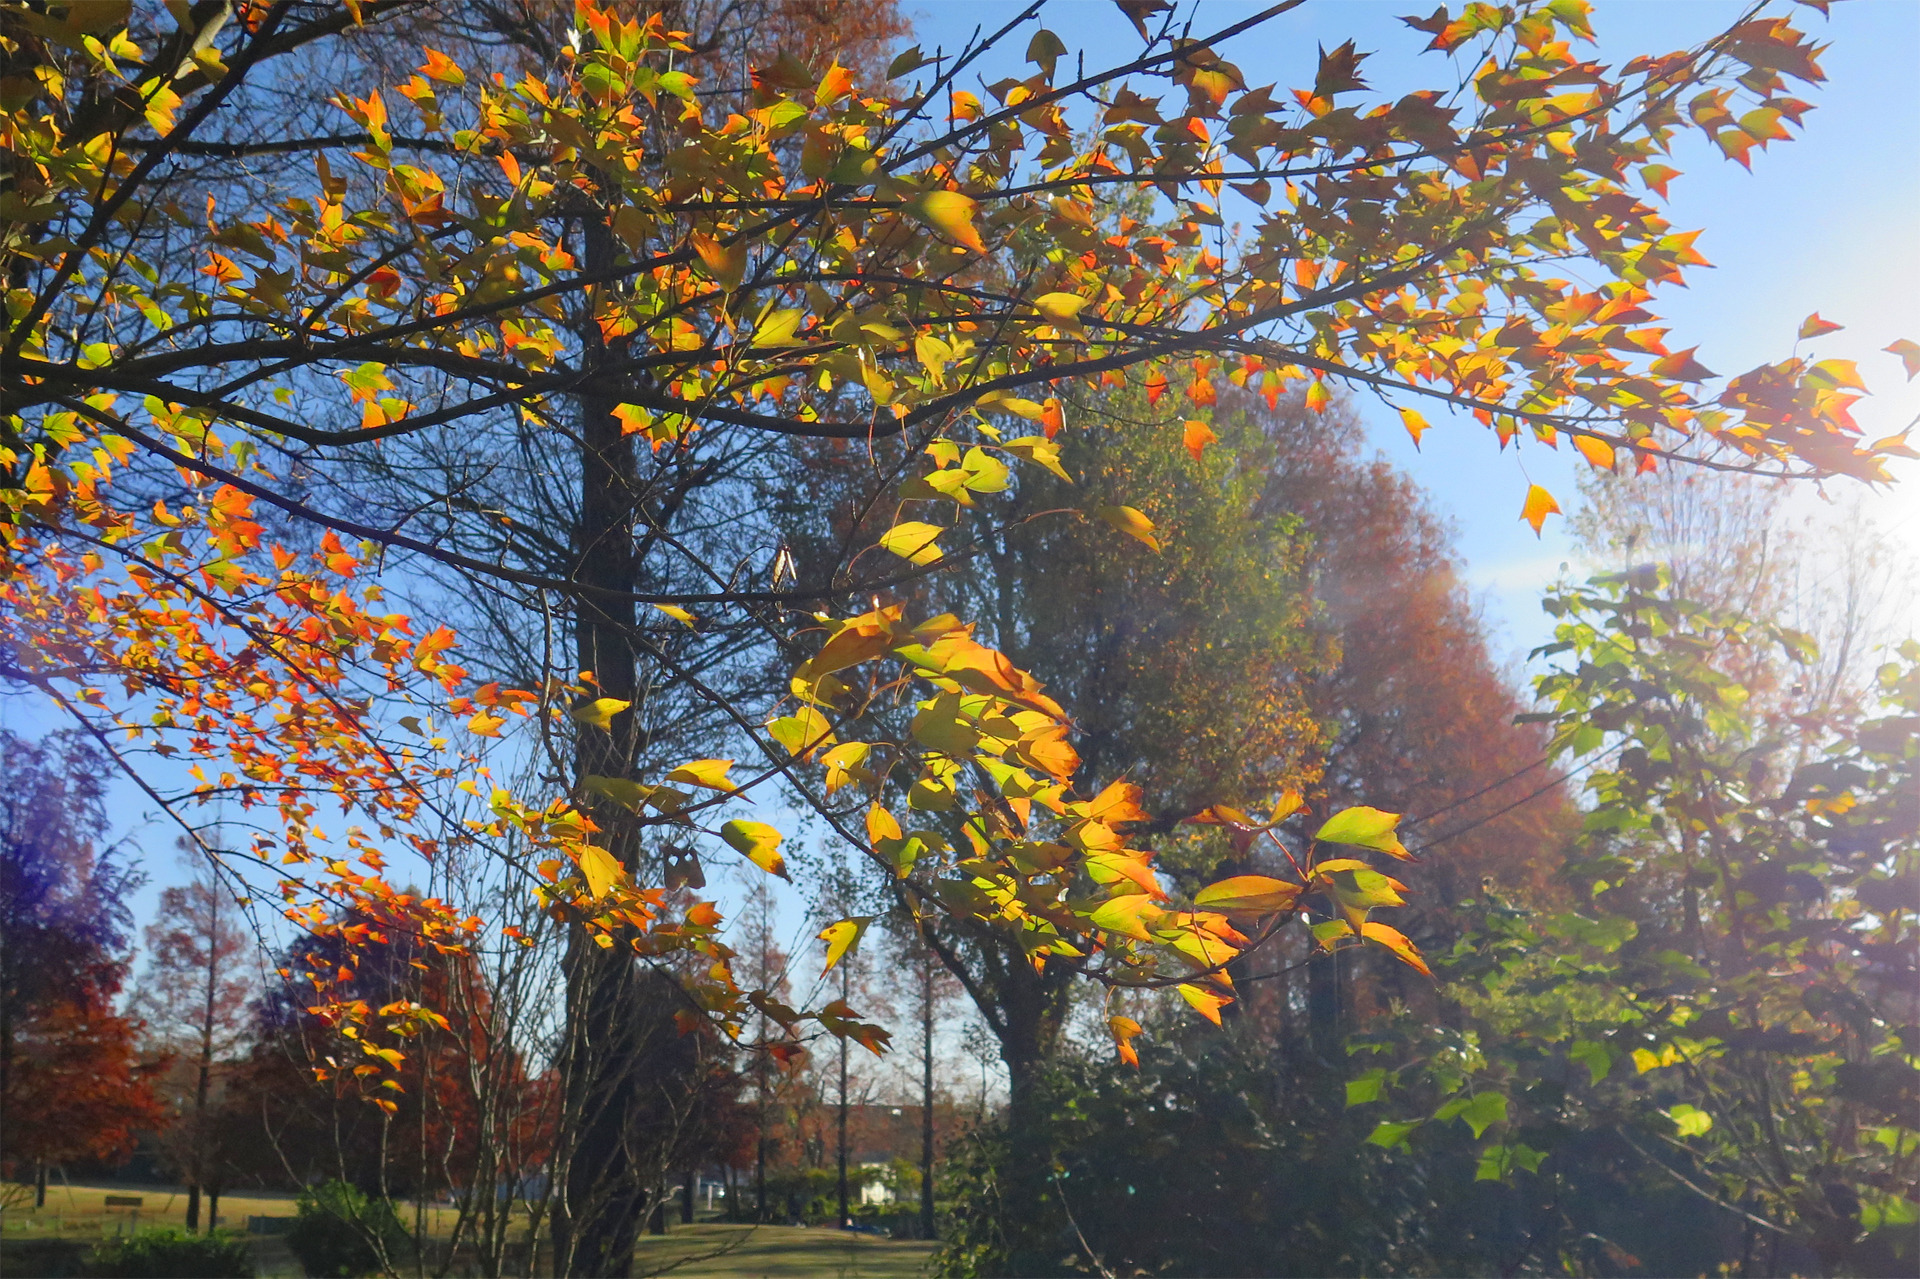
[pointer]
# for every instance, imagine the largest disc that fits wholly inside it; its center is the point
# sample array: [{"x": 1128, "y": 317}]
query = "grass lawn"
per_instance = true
[
  {"x": 81, "y": 1212},
  {"x": 716, "y": 1250},
  {"x": 706, "y": 1250}
]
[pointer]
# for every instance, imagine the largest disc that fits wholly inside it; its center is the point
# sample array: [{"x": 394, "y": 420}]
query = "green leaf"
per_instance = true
[
  {"x": 1594, "y": 1056},
  {"x": 805, "y": 732},
  {"x": 906, "y": 63},
  {"x": 759, "y": 842},
  {"x": 1366, "y": 1088},
  {"x": 1691, "y": 1121},
  {"x": 1364, "y": 828},
  {"x": 1498, "y": 1162},
  {"x": 1483, "y": 1111},
  {"x": 1390, "y": 1135}
]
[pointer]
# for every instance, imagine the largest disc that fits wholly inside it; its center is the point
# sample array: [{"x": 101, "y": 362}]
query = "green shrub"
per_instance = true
[
  {"x": 339, "y": 1232},
  {"x": 171, "y": 1253}
]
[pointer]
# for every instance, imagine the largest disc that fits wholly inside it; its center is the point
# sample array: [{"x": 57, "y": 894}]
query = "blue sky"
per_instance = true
[{"x": 1826, "y": 222}]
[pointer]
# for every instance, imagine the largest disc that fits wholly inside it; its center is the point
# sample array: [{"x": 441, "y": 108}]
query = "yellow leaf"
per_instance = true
[
  {"x": 1539, "y": 505},
  {"x": 1060, "y": 308},
  {"x": 601, "y": 870},
  {"x": 1199, "y": 435},
  {"x": 1248, "y": 894},
  {"x": 677, "y": 613},
  {"x": 781, "y": 328},
  {"x": 1396, "y": 941},
  {"x": 1040, "y": 451},
  {"x": 1318, "y": 397},
  {"x": 913, "y": 541},
  {"x": 759, "y": 842},
  {"x": 599, "y": 712},
  {"x": 948, "y": 212},
  {"x": 1416, "y": 425},
  {"x": 881, "y": 824},
  {"x": 1131, "y": 522},
  {"x": 1598, "y": 453},
  {"x": 1208, "y": 1003},
  {"x": 841, "y": 937},
  {"x": 620, "y": 790},
  {"x": 710, "y": 773}
]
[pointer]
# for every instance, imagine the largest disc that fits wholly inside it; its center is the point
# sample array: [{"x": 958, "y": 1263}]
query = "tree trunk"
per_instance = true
[
  {"x": 598, "y": 1215},
  {"x": 213, "y": 1207},
  {"x": 844, "y": 1218},
  {"x": 926, "y": 1096},
  {"x": 687, "y": 1180},
  {"x": 1323, "y": 1003},
  {"x": 196, "y": 1157}
]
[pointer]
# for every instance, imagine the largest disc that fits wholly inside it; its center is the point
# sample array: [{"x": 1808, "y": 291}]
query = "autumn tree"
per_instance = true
[
  {"x": 195, "y": 996},
  {"x": 71, "y": 1081},
  {"x": 593, "y": 251}
]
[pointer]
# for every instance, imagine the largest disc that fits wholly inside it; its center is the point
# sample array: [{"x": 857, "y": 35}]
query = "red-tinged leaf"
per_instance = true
[
  {"x": 1318, "y": 396},
  {"x": 1124, "y": 1030},
  {"x": 1813, "y": 326},
  {"x": 1538, "y": 506},
  {"x": 1140, "y": 11},
  {"x": 1156, "y": 386},
  {"x": 1682, "y": 367},
  {"x": 1656, "y": 176},
  {"x": 1396, "y": 941},
  {"x": 1339, "y": 71},
  {"x": 1249, "y": 894},
  {"x": 1198, "y": 436},
  {"x": 1053, "y": 417},
  {"x": 1205, "y": 1001},
  {"x": 836, "y": 84},
  {"x": 1909, "y": 352},
  {"x": 1119, "y": 802}
]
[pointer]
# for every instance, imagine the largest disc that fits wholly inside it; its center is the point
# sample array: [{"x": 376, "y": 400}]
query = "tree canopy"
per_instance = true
[{"x": 655, "y": 290}]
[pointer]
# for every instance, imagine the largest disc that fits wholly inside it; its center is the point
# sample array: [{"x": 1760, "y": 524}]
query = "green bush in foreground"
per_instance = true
[
  {"x": 340, "y": 1232},
  {"x": 172, "y": 1253}
]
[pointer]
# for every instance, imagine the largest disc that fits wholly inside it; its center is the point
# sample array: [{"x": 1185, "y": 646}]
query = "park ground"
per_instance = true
[{"x": 80, "y": 1215}]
